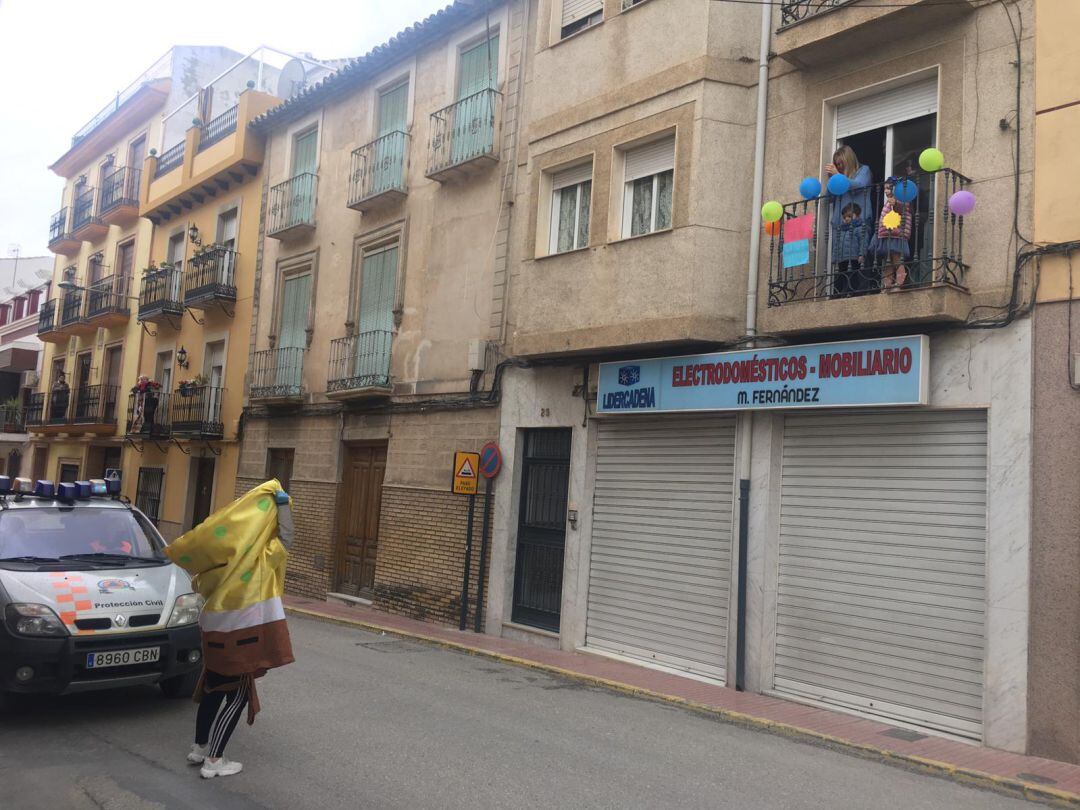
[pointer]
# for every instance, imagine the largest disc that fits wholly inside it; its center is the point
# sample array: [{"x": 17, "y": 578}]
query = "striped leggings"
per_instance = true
[{"x": 215, "y": 723}]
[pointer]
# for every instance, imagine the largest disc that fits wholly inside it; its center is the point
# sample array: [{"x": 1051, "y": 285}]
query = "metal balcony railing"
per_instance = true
[
  {"x": 793, "y": 11},
  {"x": 292, "y": 204},
  {"x": 360, "y": 361},
  {"x": 217, "y": 128},
  {"x": 71, "y": 307},
  {"x": 464, "y": 131},
  {"x": 107, "y": 296},
  {"x": 211, "y": 274},
  {"x": 94, "y": 405},
  {"x": 12, "y": 420},
  {"x": 120, "y": 188},
  {"x": 58, "y": 406},
  {"x": 83, "y": 210},
  {"x": 379, "y": 167},
  {"x": 196, "y": 411},
  {"x": 841, "y": 259},
  {"x": 278, "y": 373},
  {"x": 58, "y": 225},
  {"x": 161, "y": 291},
  {"x": 148, "y": 414},
  {"x": 47, "y": 317},
  {"x": 170, "y": 159},
  {"x": 35, "y": 409}
]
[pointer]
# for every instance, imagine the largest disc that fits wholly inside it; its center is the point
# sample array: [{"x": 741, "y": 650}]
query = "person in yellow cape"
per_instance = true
[{"x": 237, "y": 561}]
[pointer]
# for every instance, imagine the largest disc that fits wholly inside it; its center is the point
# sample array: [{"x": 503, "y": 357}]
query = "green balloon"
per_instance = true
[
  {"x": 772, "y": 211},
  {"x": 931, "y": 160}
]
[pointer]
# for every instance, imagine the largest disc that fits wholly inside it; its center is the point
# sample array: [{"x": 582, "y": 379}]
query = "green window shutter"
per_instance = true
[
  {"x": 304, "y": 152},
  {"x": 295, "y": 300},
  {"x": 378, "y": 279},
  {"x": 478, "y": 67},
  {"x": 393, "y": 108}
]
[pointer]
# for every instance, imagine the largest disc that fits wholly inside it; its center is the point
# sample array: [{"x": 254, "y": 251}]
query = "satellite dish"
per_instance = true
[{"x": 292, "y": 79}]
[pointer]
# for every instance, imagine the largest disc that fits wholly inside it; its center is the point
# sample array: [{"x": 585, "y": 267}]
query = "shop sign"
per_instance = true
[{"x": 858, "y": 373}]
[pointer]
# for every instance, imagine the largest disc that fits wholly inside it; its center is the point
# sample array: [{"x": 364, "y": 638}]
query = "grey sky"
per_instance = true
[{"x": 63, "y": 60}]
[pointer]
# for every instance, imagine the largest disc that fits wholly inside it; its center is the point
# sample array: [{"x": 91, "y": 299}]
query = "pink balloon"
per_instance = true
[{"x": 962, "y": 203}]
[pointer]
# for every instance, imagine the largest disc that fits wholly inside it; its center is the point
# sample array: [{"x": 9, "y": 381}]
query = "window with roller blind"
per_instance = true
[
  {"x": 648, "y": 186},
  {"x": 578, "y": 15},
  {"x": 571, "y": 192}
]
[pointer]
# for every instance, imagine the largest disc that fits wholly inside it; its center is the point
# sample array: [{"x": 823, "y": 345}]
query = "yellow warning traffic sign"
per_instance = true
[{"x": 465, "y": 476}]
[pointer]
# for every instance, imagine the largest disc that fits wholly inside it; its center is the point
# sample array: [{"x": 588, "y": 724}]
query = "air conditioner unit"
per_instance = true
[{"x": 30, "y": 379}]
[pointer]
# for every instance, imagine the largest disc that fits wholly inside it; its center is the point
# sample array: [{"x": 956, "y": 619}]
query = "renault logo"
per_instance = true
[{"x": 120, "y": 621}]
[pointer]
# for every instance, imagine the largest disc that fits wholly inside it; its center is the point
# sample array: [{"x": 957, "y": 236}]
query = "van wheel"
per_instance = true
[{"x": 182, "y": 686}]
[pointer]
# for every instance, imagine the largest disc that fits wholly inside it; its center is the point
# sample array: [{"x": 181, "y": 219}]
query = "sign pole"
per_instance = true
[
  {"x": 468, "y": 560},
  {"x": 483, "y": 556}
]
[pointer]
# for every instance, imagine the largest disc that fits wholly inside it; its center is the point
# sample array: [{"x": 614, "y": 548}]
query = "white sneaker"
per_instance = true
[
  {"x": 197, "y": 754},
  {"x": 223, "y": 767}
]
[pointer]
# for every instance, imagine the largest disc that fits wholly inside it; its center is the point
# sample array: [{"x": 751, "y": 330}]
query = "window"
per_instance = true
[
  {"x": 69, "y": 473},
  {"x": 578, "y": 15},
  {"x": 226, "y": 229},
  {"x": 571, "y": 191},
  {"x": 35, "y": 301},
  {"x": 20, "y": 308},
  {"x": 649, "y": 177},
  {"x": 279, "y": 465},
  {"x": 95, "y": 267},
  {"x": 163, "y": 370},
  {"x": 5, "y": 313},
  {"x": 125, "y": 258},
  {"x": 175, "y": 256},
  {"x": 148, "y": 492}
]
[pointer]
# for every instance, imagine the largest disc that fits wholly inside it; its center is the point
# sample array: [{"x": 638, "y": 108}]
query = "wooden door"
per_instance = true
[
  {"x": 361, "y": 497},
  {"x": 204, "y": 490},
  {"x": 137, "y": 153}
]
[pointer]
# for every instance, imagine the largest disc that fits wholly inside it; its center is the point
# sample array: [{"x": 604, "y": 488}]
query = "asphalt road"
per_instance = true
[{"x": 366, "y": 721}]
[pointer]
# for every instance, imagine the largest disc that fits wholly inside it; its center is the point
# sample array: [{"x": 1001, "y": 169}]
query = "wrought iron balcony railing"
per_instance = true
[
  {"x": 379, "y": 168},
  {"x": 83, "y": 210},
  {"x": 278, "y": 373},
  {"x": 58, "y": 226},
  {"x": 94, "y": 405},
  {"x": 109, "y": 296},
  {"x": 360, "y": 361},
  {"x": 170, "y": 159},
  {"x": 161, "y": 292},
  {"x": 120, "y": 189},
  {"x": 464, "y": 131},
  {"x": 148, "y": 414},
  {"x": 793, "y": 11},
  {"x": 36, "y": 406},
  {"x": 47, "y": 317},
  {"x": 822, "y": 250},
  {"x": 71, "y": 307},
  {"x": 196, "y": 411},
  {"x": 218, "y": 128},
  {"x": 292, "y": 205},
  {"x": 211, "y": 275},
  {"x": 12, "y": 420}
]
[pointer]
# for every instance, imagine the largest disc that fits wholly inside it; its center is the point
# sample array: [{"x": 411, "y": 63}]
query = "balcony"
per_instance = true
[
  {"x": 85, "y": 223},
  {"x": 378, "y": 172},
  {"x": 465, "y": 137},
  {"x": 107, "y": 302},
  {"x": 12, "y": 420},
  {"x": 119, "y": 204},
  {"x": 148, "y": 415},
  {"x": 216, "y": 129},
  {"x": 292, "y": 207},
  {"x": 172, "y": 158},
  {"x": 360, "y": 366},
  {"x": 816, "y": 31},
  {"x": 36, "y": 410},
  {"x": 826, "y": 276},
  {"x": 277, "y": 376},
  {"x": 210, "y": 277},
  {"x": 195, "y": 412},
  {"x": 161, "y": 297},
  {"x": 60, "y": 238},
  {"x": 72, "y": 313},
  {"x": 49, "y": 322},
  {"x": 87, "y": 409}
]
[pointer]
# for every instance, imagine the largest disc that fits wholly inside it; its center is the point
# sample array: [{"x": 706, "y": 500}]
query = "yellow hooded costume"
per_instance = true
[{"x": 237, "y": 562}]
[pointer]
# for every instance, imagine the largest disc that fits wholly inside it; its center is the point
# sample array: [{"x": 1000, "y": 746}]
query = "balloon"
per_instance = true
[
  {"x": 962, "y": 203},
  {"x": 810, "y": 188},
  {"x": 772, "y": 211},
  {"x": 839, "y": 185},
  {"x": 772, "y": 228},
  {"x": 891, "y": 220},
  {"x": 906, "y": 191},
  {"x": 931, "y": 160}
]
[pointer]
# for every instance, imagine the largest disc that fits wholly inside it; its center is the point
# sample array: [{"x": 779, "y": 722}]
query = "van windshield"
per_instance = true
[{"x": 85, "y": 534}]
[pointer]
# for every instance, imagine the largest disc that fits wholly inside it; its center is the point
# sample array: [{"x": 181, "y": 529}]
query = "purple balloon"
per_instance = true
[{"x": 962, "y": 203}]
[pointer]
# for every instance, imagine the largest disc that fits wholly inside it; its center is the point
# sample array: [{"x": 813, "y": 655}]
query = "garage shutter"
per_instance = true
[
  {"x": 661, "y": 540},
  {"x": 891, "y": 107},
  {"x": 882, "y": 565}
]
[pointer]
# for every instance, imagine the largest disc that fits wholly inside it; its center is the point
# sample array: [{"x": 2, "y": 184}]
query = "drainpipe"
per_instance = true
[{"x": 746, "y": 423}]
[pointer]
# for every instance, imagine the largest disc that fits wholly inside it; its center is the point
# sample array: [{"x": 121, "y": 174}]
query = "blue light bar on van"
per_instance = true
[
  {"x": 66, "y": 491},
  {"x": 82, "y": 489},
  {"x": 5, "y": 484},
  {"x": 113, "y": 485},
  {"x": 98, "y": 487},
  {"x": 44, "y": 489}
]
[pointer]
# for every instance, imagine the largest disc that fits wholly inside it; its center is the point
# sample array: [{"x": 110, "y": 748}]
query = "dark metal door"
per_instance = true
[
  {"x": 204, "y": 490},
  {"x": 361, "y": 495},
  {"x": 542, "y": 528}
]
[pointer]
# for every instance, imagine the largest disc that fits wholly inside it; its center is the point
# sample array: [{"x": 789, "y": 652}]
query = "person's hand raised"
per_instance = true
[{"x": 830, "y": 169}]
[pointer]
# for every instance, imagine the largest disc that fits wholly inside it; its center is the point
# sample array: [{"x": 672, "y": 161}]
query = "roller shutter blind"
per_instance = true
[
  {"x": 882, "y": 109},
  {"x": 572, "y": 176},
  {"x": 881, "y": 596},
  {"x": 661, "y": 540},
  {"x": 573, "y": 10},
  {"x": 652, "y": 158}
]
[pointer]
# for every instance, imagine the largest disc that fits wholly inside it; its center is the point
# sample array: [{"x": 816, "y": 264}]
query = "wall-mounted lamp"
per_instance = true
[
  {"x": 193, "y": 236},
  {"x": 181, "y": 358}
]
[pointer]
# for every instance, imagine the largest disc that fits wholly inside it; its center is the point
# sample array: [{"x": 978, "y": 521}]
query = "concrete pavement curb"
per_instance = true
[{"x": 1010, "y": 786}]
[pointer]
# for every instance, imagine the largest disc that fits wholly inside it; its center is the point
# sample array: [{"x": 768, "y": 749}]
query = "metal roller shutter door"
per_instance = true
[
  {"x": 661, "y": 540},
  {"x": 880, "y": 605}
]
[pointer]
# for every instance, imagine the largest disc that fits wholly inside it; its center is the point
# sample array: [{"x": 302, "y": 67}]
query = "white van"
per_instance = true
[{"x": 88, "y": 599}]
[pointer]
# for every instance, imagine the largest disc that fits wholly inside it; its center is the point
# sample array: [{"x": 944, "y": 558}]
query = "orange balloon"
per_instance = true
[{"x": 772, "y": 228}]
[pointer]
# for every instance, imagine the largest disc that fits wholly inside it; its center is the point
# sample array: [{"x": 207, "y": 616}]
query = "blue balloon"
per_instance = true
[
  {"x": 810, "y": 188},
  {"x": 839, "y": 185},
  {"x": 905, "y": 191}
]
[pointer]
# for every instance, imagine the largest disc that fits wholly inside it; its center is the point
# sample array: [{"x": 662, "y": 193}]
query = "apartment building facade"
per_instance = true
[
  {"x": 378, "y": 287},
  {"x": 868, "y": 550}
]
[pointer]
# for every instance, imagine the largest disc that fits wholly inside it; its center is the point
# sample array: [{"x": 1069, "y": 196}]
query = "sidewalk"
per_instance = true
[{"x": 1056, "y": 783}]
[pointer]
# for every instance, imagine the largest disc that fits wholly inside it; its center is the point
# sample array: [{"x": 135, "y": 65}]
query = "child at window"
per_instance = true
[
  {"x": 891, "y": 242},
  {"x": 849, "y": 249}
]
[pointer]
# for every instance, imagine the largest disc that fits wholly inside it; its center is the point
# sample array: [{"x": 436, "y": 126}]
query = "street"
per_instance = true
[{"x": 366, "y": 721}]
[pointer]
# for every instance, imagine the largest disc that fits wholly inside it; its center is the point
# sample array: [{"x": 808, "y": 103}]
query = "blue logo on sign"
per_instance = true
[{"x": 629, "y": 375}]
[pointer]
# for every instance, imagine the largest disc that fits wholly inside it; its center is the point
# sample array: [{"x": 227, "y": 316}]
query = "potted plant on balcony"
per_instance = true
[
  {"x": 189, "y": 387},
  {"x": 12, "y": 408}
]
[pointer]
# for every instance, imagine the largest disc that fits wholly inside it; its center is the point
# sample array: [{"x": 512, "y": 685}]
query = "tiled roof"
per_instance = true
[{"x": 363, "y": 68}]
